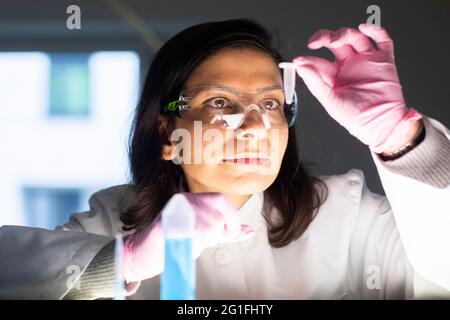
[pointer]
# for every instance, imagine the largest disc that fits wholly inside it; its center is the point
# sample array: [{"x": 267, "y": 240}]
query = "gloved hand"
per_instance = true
[
  {"x": 360, "y": 89},
  {"x": 216, "y": 221}
]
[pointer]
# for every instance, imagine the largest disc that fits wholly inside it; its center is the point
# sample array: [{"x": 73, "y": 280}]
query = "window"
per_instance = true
[
  {"x": 69, "y": 84},
  {"x": 48, "y": 207},
  {"x": 56, "y": 149}
]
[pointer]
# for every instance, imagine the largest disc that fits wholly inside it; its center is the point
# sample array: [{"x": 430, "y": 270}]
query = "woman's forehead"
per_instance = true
[{"x": 248, "y": 68}]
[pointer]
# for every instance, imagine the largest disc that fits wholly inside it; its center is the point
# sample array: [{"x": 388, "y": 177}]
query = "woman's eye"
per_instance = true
[
  {"x": 270, "y": 104},
  {"x": 218, "y": 103}
]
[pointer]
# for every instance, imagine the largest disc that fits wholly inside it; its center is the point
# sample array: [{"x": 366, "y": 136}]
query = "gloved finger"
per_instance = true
[
  {"x": 319, "y": 38},
  {"x": 215, "y": 202},
  {"x": 203, "y": 240},
  {"x": 322, "y": 38},
  {"x": 313, "y": 80},
  {"x": 341, "y": 53},
  {"x": 246, "y": 232},
  {"x": 228, "y": 210},
  {"x": 211, "y": 230},
  {"x": 326, "y": 69},
  {"x": 379, "y": 35},
  {"x": 232, "y": 224},
  {"x": 354, "y": 38}
]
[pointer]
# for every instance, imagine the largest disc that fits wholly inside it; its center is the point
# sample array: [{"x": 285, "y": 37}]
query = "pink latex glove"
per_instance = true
[
  {"x": 216, "y": 221},
  {"x": 361, "y": 88}
]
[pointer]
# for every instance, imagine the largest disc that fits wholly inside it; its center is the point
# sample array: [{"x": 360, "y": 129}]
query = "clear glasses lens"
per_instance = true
[{"x": 227, "y": 107}]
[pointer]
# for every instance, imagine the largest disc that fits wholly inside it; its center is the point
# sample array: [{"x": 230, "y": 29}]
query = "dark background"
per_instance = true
[{"x": 420, "y": 30}]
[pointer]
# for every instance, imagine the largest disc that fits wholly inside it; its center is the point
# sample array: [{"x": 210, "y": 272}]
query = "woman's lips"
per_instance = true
[{"x": 249, "y": 161}]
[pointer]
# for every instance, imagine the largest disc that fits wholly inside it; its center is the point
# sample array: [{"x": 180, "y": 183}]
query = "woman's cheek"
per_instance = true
[{"x": 278, "y": 142}]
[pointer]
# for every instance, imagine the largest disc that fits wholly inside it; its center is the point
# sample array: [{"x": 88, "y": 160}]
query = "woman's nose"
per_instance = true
[{"x": 254, "y": 125}]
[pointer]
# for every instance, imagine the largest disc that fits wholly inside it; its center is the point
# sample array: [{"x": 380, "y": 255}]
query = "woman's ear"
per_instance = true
[
  {"x": 167, "y": 144},
  {"x": 167, "y": 152}
]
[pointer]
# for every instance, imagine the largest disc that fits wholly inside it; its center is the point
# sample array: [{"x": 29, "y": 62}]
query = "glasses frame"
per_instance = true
[{"x": 178, "y": 107}]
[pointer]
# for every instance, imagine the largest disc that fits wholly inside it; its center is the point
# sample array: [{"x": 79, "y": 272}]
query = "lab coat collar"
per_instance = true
[{"x": 251, "y": 211}]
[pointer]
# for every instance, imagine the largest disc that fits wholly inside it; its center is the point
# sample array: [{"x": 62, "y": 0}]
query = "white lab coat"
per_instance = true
[{"x": 360, "y": 245}]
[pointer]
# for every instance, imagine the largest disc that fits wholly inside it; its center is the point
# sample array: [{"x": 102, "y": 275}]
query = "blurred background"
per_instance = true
[{"x": 67, "y": 96}]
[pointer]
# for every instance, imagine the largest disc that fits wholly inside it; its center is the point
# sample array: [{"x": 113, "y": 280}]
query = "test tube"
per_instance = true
[
  {"x": 288, "y": 80},
  {"x": 178, "y": 277}
]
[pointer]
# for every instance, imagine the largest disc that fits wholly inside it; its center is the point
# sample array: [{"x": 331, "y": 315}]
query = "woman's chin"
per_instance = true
[{"x": 246, "y": 184}]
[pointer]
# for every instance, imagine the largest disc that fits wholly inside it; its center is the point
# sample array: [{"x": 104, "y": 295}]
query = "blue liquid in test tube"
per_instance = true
[{"x": 178, "y": 277}]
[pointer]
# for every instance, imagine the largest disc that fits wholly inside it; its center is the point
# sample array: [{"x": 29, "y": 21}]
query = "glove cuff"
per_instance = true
[{"x": 397, "y": 138}]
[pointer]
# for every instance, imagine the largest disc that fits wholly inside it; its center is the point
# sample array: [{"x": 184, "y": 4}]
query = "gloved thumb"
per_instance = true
[
  {"x": 326, "y": 69},
  {"x": 313, "y": 80}
]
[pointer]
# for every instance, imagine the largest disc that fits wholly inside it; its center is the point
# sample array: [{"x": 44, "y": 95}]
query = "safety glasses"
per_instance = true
[{"x": 227, "y": 107}]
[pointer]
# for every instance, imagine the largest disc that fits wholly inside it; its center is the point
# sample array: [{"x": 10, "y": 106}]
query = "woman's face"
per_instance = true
[{"x": 239, "y": 161}]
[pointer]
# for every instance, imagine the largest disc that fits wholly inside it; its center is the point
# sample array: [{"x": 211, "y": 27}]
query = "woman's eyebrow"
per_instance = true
[
  {"x": 274, "y": 87},
  {"x": 212, "y": 86}
]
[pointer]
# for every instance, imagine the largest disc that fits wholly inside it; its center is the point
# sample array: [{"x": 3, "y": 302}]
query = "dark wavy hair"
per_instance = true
[{"x": 295, "y": 193}]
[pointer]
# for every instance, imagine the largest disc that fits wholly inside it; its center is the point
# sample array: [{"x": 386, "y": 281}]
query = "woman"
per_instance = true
[{"x": 265, "y": 229}]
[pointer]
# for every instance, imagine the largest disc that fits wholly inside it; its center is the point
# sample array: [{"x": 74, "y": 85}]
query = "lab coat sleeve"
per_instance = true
[
  {"x": 43, "y": 264},
  {"x": 418, "y": 191},
  {"x": 46, "y": 264},
  {"x": 378, "y": 265}
]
